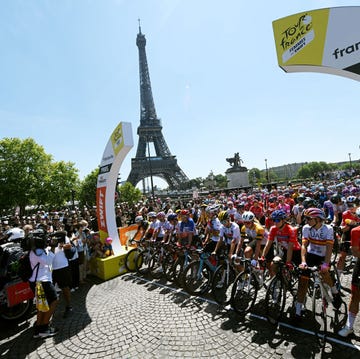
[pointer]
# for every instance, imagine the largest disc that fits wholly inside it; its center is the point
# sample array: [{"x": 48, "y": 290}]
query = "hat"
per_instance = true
[{"x": 108, "y": 240}]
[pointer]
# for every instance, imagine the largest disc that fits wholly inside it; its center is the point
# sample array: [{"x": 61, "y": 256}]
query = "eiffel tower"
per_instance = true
[{"x": 163, "y": 164}]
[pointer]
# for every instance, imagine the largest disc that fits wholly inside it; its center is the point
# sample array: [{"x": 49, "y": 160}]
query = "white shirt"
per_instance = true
[
  {"x": 42, "y": 273},
  {"x": 60, "y": 260}
]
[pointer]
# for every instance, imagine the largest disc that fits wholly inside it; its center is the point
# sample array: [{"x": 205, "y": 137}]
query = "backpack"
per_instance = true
[{"x": 24, "y": 269}]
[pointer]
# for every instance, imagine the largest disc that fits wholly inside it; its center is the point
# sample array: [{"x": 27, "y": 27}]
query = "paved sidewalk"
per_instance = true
[{"x": 132, "y": 317}]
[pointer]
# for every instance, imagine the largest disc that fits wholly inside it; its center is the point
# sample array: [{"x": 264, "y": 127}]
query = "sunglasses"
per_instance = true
[
  {"x": 277, "y": 220},
  {"x": 224, "y": 222},
  {"x": 247, "y": 222},
  {"x": 309, "y": 218}
]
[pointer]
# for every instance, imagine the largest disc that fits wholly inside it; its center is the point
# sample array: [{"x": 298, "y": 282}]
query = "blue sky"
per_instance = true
[{"x": 69, "y": 74}]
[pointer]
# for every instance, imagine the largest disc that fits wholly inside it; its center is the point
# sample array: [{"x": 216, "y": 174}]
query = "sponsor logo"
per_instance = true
[
  {"x": 101, "y": 179},
  {"x": 118, "y": 136},
  {"x": 346, "y": 51},
  {"x": 105, "y": 169},
  {"x": 297, "y": 36},
  {"x": 101, "y": 209}
]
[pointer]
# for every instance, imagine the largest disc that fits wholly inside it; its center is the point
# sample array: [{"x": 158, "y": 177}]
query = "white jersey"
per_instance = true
[
  {"x": 230, "y": 233},
  {"x": 318, "y": 238}
]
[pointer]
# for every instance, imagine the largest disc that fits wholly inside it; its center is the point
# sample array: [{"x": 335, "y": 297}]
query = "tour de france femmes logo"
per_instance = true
[
  {"x": 117, "y": 139},
  {"x": 297, "y": 36}
]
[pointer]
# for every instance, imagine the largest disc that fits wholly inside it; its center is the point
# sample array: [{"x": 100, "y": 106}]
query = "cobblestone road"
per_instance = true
[{"x": 131, "y": 317}]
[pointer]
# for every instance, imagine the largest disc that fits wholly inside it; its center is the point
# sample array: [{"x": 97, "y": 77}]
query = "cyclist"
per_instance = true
[
  {"x": 339, "y": 207},
  {"x": 160, "y": 224},
  {"x": 297, "y": 209},
  {"x": 257, "y": 209},
  {"x": 203, "y": 218},
  {"x": 171, "y": 227},
  {"x": 142, "y": 224},
  {"x": 240, "y": 209},
  {"x": 152, "y": 225},
  {"x": 255, "y": 232},
  {"x": 186, "y": 228},
  {"x": 231, "y": 209},
  {"x": 348, "y": 222},
  {"x": 212, "y": 231},
  {"x": 229, "y": 234},
  {"x": 328, "y": 208},
  {"x": 288, "y": 248},
  {"x": 317, "y": 243},
  {"x": 355, "y": 282}
]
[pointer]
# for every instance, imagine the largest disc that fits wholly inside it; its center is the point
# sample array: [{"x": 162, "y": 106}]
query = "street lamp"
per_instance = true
[{"x": 267, "y": 171}]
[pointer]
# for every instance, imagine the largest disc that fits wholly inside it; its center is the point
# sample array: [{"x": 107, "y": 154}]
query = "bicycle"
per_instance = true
[
  {"x": 198, "y": 274},
  {"x": 246, "y": 286},
  {"x": 223, "y": 277},
  {"x": 132, "y": 255},
  {"x": 143, "y": 258},
  {"x": 184, "y": 256},
  {"x": 321, "y": 290},
  {"x": 157, "y": 263},
  {"x": 285, "y": 281}
]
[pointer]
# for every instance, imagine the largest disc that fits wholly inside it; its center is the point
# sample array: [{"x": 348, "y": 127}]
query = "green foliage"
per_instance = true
[
  {"x": 313, "y": 169},
  {"x": 28, "y": 176},
  {"x": 221, "y": 181},
  {"x": 129, "y": 193},
  {"x": 87, "y": 190}
]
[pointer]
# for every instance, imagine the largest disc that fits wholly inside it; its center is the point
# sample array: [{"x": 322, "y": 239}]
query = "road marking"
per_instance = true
[{"x": 178, "y": 290}]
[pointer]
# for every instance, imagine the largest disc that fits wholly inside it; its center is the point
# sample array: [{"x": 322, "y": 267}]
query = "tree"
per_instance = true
[
  {"x": 61, "y": 184},
  {"x": 129, "y": 193},
  {"x": 87, "y": 190},
  {"x": 313, "y": 169},
  {"x": 28, "y": 176}
]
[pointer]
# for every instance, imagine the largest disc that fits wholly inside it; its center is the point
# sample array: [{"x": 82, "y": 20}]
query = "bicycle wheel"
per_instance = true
[
  {"x": 168, "y": 266},
  {"x": 130, "y": 259},
  {"x": 155, "y": 265},
  {"x": 142, "y": 261},
  {"x": 244, "y": 292},
  {"x": 319, "y": 307},
  {"x": 221, "y": 284},
  {"x": 177, "y": 271},
  {"x": 275, "y": 299},
  {"x": 197, "y": 278},
  {"x": 340, "y": 317}
]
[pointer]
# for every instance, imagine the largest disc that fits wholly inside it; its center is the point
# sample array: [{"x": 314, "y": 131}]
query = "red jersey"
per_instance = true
[
  {"x": 284, "y": 236},
  {"x": 355, "y": 237},
  {"x": 349, "y": 216}
]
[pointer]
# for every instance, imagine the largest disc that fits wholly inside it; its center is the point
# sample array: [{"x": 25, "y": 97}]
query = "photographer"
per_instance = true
[
  {"x": 41, "y": 259},
  {"x": 61, "y": 272}
]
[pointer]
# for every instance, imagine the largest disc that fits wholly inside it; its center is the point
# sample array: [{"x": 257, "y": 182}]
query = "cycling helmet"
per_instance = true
[
  {"x": 152, "y": 215},
  {"x": 278, "y": 214},
  {"x": 223, "y": 216},
  {"x": 172, "y": 216},
  {"x": 248, "y": 216},
  {"x": 314, "y": 213},
  {"x": 335, "y": 198},
  {"x": 308, "y": 202},
  {"x": 161, "y": 215},
  {"x": 213, "y": 209},
  {"x": 184, "y": 212},
  {"x": 300, "y": 198},
  {"x": 139, "y": 219},
  {"x": 14, "y": 234},
  {"x": 352, "y": 200},
  {"x": 240, "y": 205}
]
